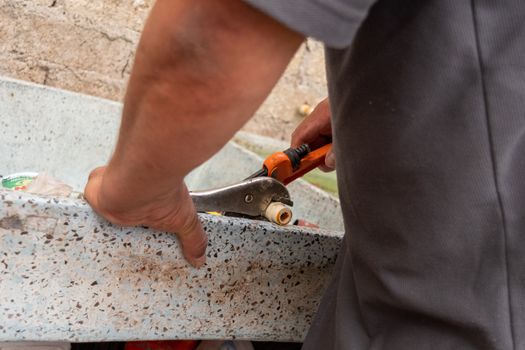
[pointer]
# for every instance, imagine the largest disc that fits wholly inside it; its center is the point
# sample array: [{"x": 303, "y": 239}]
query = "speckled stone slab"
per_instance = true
[
  {"x": 68, "y": 275},
  {"x": 66, "y": 134}
]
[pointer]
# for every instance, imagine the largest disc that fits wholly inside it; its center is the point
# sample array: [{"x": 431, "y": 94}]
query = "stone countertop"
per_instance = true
[{"x": 68, "y": 275}]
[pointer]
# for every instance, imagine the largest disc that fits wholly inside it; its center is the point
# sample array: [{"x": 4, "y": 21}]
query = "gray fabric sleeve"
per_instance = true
[{"x": 334, "y": 22}]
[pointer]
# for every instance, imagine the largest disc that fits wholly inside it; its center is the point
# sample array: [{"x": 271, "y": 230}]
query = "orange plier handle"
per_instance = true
[{"x": 281, "y": 167}]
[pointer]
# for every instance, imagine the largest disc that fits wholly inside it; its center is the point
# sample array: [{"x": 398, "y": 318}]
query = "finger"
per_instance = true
[
  {"x": 329, "y": 162},
  {"x": 325, "y": 169},
  {"x": 315, "y": 128},
  {"x": 97, "y": 172},
  {"x": 94, "y": 195},
  {"x": 191, "y": 235},
  {"x": 93, "y": 186},
  {"x": 312, "y": 130},
  {"x": 306, "y": 132},
  {"x": 194, "y": 241}
]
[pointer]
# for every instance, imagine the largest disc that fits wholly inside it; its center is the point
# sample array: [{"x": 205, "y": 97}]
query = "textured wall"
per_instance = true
[{"x": 88, "y": 46}]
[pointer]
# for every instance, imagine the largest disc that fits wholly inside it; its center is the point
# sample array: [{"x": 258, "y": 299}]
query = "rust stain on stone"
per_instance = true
[
  {"x": 12, "y": 222},
  {"x": 30, "y": 223},
  {"x": 134, "y": 268}
]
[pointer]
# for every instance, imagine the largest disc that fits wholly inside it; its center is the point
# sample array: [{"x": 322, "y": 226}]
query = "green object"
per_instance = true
[
  {"x": 18, "y": 181},
  {"x": 322, "y": 180}
]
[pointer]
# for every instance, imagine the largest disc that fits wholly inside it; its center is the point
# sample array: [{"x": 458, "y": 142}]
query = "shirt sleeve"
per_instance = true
[{"x": 333, "y": 22}]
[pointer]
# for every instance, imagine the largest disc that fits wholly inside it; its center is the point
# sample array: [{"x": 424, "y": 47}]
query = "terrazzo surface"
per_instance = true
[
  {"x": 68, "y": 275},
  {"x": 66, "y": 135}
]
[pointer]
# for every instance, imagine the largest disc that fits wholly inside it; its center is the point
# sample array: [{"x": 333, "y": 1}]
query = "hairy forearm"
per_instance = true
[{"x": 195, "y": 82}]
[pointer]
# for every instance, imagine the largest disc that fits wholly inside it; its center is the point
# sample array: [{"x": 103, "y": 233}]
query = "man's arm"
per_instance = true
[{"x": 201, "y": 70}]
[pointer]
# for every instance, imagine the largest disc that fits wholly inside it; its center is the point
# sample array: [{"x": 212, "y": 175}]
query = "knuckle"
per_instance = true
[
  {"x": 181, "y": 220},
  {"x": 96, "y": 172},
  {"x": 189, "y": 225},
  {"x": 114, "y": 218}
]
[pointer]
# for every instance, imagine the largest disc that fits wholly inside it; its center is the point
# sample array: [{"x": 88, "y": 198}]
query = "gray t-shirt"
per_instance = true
[
  {"x": 428, "y": 104},
  {"x": 334, "y": 22}
]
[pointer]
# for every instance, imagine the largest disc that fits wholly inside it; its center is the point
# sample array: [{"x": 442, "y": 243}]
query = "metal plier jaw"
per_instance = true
[{"x": 257, "y": 197}]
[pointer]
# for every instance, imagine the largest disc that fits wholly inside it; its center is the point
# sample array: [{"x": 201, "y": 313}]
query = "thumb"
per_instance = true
[
  {"x": 329, "y": 160},
  {"x": 192, "y": 238}
]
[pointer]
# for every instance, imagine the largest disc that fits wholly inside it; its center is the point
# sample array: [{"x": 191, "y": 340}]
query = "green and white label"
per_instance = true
[{"x": 18, "y": 181}]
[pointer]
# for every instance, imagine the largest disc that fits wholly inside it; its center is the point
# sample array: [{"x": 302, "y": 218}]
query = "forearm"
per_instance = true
[{"x": 193, "y": 86}]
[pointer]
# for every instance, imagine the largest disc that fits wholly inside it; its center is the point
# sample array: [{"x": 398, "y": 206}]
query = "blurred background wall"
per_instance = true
[{"x": 88, "y": 46}]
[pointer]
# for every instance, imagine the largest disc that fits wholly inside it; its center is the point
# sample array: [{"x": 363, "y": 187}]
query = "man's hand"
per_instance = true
[
  {"x": 201, "y": 70},
  {"x": 170, "y": 211},
  {"x": 316, "y": 130}
]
